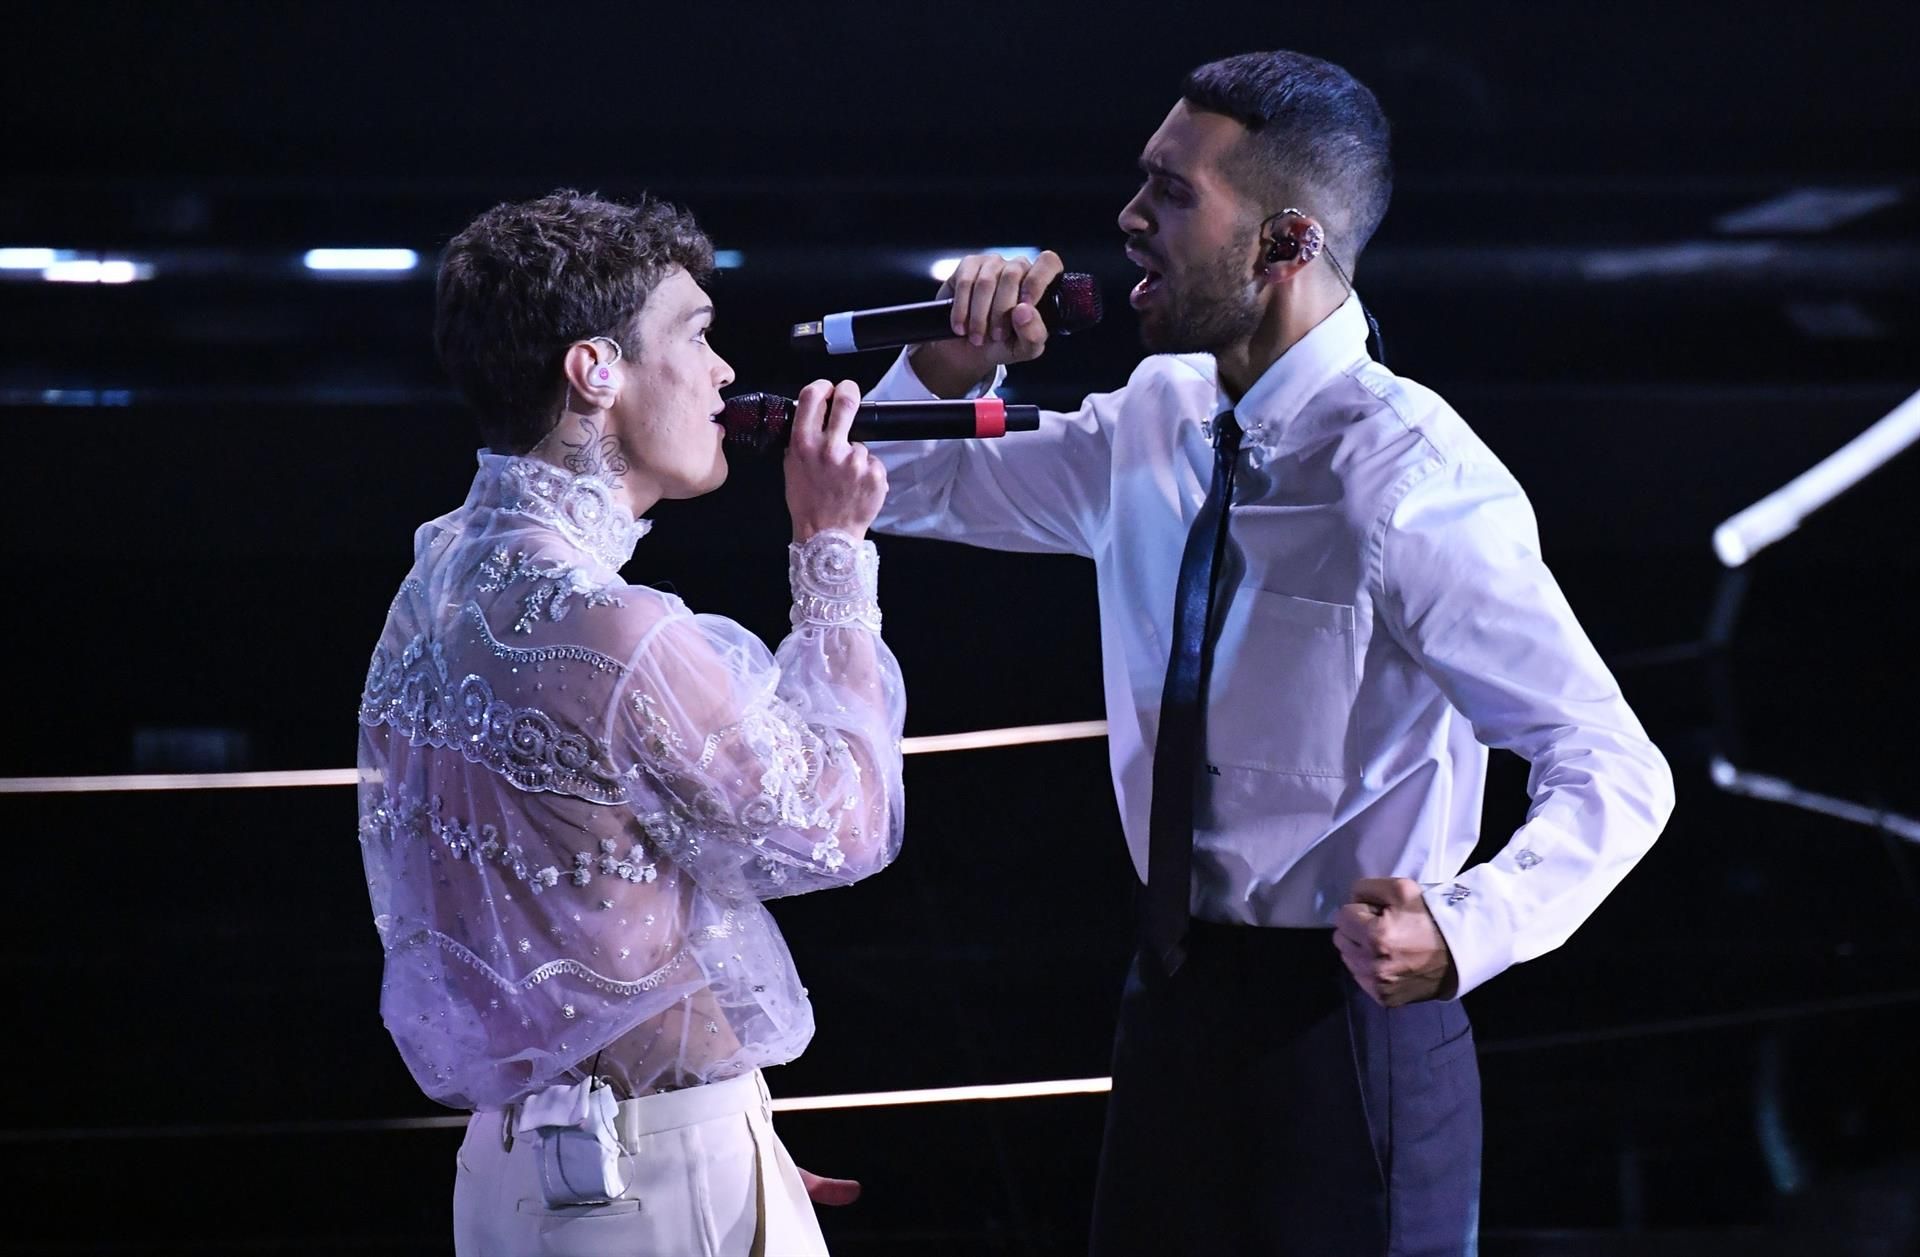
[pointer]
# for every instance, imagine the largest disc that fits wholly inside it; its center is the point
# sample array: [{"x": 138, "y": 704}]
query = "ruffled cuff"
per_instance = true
[{"x": 835, "y": 581}]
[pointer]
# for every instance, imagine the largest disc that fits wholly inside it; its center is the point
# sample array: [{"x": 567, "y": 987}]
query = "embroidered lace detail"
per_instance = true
[
  {"x": 407, "y": 586},
  {"x": 636, "y": 868},
  {"x": 680, "y": 829},
  {"x": 1457, "y": 895},
  {"x": 790, "y": 754},
  {"x": 1527, "y": 858},
  {"x": 537, "y": 654},
  {"x": 585, "y": 509},
  {"x": 402, "y": 817},
  {"x": 554, "y": 587},
  {"x": 793, "y": 753},
  {"x": 835, "y": 581},
  {"x": 716, "y": 932},
  {"x": 827, "y": 853},
  {"x": 552, "y": 969},
  {"x": 414, "y": 694},
  {"x": 657, "y": 736}
]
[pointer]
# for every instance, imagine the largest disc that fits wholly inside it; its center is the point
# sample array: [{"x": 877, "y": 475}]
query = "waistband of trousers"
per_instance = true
[
  {"x": 690, "y": 1106},
  {"x": 670, "y": 1110}
]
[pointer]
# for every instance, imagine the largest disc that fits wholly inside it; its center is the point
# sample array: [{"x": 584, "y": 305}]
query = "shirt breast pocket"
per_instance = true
[{"x": 1282, "y": 686}]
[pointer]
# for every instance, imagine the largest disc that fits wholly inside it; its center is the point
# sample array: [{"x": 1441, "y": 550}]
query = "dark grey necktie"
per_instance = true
[{"x": 1176, "y": 751}]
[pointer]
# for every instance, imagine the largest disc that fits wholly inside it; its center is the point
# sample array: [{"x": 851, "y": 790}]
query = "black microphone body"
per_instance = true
[
  {"x": 1070, "y": 304},
  {"x": 760, "y": 422}
]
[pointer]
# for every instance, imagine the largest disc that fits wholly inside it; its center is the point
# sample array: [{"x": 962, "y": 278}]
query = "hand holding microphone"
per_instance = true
[
  {"x": 993, "y": 319},
  {"x": 831, "y": 483},
  {"x": 988, "y": 292},
  {"x": 990, "y": 312},
  {"x": 1070, "y": 303}
]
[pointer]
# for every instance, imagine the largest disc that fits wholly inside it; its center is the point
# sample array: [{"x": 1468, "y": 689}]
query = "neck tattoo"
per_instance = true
[{"x": 597, "y": 453}]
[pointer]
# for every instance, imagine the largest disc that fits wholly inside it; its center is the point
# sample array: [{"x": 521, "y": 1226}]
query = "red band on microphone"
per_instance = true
[{"x": 989, "y": 417}]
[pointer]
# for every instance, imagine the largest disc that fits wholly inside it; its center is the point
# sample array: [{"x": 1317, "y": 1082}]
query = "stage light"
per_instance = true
[
  {"x": 362, "y": 261},
  {"x": 943, "y": 268},
  {"x": 29, "y": 259},
  {"x": 96, "y": 271},
  {"x": 1805, "y": 211},
  {"x": 1781, "y": 512}
]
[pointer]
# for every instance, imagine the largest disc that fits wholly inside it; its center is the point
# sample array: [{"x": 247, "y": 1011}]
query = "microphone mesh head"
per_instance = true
[
  {"x": 757, "y": 422},
  {"x": 1079, "y": 303}
]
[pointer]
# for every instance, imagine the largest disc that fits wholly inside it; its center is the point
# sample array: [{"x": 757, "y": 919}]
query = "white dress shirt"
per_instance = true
[
  {"x": 575, "y": 793},
  {"x": 1383, "y": 615}
]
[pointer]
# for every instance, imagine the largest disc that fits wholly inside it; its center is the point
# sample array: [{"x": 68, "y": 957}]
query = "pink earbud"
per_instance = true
[{"x": 602, "y": 372}]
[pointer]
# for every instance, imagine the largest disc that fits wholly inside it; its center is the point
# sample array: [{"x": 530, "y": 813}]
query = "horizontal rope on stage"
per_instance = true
[
  {"x": 979, "y": 739},
  {"x": 791, "y": 1104}
]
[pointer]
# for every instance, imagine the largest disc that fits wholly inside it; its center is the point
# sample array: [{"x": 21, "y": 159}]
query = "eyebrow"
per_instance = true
[
  {"x": 695, "y": 313},
  {"x": 1154, "y": 166}
]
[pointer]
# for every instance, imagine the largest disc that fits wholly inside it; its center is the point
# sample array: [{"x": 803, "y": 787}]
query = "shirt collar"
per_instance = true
[
  {"x": 584, "y": 509},
  {"x": 1270, "y": 415}
]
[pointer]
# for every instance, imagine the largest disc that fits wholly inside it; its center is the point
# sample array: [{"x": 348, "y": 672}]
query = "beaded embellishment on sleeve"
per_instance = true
[{"x": 836, "y": 582}]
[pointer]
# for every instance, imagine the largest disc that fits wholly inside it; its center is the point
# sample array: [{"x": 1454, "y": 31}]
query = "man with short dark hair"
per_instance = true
[
  {"x": 1321, "y": 599},
  {"x": 575, "y": 793}
]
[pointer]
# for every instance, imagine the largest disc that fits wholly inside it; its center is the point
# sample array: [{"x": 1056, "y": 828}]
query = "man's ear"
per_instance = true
[
  {"x": 1289, "y": 241},
  {"x": 593, "y": 372}
]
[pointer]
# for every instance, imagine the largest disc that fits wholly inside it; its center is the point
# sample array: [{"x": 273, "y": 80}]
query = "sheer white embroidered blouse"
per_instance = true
[{"x": 575, "y": 793}]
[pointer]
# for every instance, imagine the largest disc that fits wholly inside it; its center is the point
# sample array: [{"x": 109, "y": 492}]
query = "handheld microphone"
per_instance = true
[
  {"x": 1070, "y": 304},
  {"x": 759, "y": 423}
]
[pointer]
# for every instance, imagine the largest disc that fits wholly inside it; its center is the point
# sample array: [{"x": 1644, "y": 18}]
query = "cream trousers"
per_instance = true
[{"x": 708, "y": 1178}]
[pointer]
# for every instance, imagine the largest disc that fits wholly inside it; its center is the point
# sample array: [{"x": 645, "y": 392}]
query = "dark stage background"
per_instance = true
[{"x": 1663, "y": 257}]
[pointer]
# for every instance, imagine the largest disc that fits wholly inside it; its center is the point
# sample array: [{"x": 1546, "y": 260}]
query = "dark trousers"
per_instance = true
[{"x": 1263, "y": 1104}]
